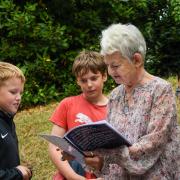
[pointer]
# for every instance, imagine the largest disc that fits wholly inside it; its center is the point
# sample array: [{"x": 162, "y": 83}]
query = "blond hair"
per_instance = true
[
  {"x": 8, "y": 71},
  {"x": 89, "y": 61}
]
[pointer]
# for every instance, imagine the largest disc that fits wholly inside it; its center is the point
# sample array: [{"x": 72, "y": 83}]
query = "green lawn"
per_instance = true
[{"x": 33, "y": 149}]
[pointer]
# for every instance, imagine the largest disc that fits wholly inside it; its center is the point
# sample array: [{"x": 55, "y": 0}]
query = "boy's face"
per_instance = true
[
  {"x": 10, "y": 94},
  {"x": 92, "y": 85}
]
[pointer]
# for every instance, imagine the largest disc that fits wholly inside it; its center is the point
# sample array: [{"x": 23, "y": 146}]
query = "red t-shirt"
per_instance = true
[{"x": 76, "y": 110}]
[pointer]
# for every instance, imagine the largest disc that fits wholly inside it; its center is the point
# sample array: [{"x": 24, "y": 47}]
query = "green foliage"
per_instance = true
[
  {"x": 175, "y": 6},
  {"x": 43, "y": 37},
  {"x": 158, "y": 20},
  {"x": 31, "y": 40},
  {"x": 109, "y": 85},
  {"x": 163, "y": 36}
]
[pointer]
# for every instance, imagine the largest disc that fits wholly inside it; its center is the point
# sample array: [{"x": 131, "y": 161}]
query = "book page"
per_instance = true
[{"x": 65, "y": 146}]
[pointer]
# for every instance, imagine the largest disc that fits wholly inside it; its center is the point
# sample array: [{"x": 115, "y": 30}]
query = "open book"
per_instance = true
[{"x": 88, "y": 137}]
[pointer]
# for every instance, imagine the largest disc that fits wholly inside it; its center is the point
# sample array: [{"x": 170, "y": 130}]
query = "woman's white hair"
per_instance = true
[{"x": 124, "y": 38}]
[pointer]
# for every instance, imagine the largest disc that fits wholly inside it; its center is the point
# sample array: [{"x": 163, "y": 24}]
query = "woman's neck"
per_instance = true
[
  {"x": 142, "y": 78},
  {"x": 139, "y": 79}
]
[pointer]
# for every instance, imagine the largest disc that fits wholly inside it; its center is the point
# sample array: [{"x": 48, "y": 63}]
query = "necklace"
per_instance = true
[
  {"x": 128, "y": 98},
  {"x": 126, "y": 108},
  {"x": 126, "y": 103}
]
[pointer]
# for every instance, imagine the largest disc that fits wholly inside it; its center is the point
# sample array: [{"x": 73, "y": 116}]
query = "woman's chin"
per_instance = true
[{"x": 118, "y": 81}]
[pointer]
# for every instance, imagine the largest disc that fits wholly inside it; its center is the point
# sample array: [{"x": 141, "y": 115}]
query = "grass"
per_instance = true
[{"x": 34, "y": 150}]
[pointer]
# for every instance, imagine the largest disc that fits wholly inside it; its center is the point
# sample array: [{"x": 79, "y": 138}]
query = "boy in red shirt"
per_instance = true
[{"x": 90, "y": 106}]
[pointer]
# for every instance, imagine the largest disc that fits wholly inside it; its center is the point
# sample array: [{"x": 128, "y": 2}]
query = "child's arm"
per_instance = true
[
  {"x": 11, "y": 174},
  {"x": 25, "y": 171},
  {"x": 63, "y": 166},
  {"x": 19, "y": 173}
]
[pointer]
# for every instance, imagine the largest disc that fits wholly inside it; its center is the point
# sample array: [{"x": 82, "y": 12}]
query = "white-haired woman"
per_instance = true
[{"x": 142, "y": 108}]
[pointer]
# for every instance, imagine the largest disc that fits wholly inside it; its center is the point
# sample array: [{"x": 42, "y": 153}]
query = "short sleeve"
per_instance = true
[{"x": 59, "y": 116}]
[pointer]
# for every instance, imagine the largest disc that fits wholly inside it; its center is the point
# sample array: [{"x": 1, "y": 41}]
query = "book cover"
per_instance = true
[
  {"x": 92, "y": 136},
  {"x": 65, "y": 146}
]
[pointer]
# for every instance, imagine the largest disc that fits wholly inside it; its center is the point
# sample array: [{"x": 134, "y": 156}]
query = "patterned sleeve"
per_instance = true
[{"x": 150, "y": 146}]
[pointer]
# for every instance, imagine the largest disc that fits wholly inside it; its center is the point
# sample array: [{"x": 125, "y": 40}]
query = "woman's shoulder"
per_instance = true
[
  {"x": 157, "y": 84},
  {"x": 161, "y": 82},
  {"x": 159, "y": 87}
]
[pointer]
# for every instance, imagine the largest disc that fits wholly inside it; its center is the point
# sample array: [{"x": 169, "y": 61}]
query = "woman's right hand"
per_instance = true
[
  {"x": 26, "y": 172},
  {"x": 94, "y": 161}
]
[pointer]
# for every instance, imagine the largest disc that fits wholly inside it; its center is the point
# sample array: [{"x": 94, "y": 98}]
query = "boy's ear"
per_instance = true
[
  {"x": 105, "y": 77},
  {"x": 77, "y": 82},
  {"x": 138, "y": 60}
]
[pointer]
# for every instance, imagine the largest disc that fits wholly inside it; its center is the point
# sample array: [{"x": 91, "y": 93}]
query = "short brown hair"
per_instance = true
[
  {"x": 8, "y": 71},
  {"x": 89, "y": 61}
]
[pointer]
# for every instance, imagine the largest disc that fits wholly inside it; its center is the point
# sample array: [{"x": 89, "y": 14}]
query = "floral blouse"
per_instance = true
[{"x": 150, "y": 124}]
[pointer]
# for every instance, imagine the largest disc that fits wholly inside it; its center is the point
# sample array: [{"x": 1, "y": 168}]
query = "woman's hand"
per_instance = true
[
  {"x": 93, "y": 160},
  {"x": 135, "y": 152}
]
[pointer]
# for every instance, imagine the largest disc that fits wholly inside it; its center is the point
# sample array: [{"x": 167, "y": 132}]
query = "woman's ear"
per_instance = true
[{"x": 138, "y": 60}]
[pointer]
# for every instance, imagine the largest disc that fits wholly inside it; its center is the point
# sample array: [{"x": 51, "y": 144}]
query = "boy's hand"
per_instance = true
[
  {"x": 66, "y": 156},
  {"x": 26, "y": 172}
]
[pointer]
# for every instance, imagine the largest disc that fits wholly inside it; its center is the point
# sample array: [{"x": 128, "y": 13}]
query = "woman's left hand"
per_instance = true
[
  {"x": 93, "y": 160},
  {"x": 134, "y": 152}
]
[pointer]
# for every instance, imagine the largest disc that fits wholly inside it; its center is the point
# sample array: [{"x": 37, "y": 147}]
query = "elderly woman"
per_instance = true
[{"x": 142, "y": 108}]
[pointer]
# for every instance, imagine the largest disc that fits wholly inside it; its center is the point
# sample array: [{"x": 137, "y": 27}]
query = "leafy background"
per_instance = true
[{"x": 43, "y": 37}]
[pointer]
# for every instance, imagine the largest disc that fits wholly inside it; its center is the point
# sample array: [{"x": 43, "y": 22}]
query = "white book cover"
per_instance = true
[{"x": 65, "y": 146}]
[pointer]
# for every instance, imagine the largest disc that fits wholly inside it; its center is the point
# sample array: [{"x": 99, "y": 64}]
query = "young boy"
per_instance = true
[
  {"x": 90, "y": 106},
  {"x": 11, "y": 87}
]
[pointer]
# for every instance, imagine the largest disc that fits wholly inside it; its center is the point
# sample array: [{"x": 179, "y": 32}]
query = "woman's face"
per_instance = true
[{"x": 122, "y": 70}]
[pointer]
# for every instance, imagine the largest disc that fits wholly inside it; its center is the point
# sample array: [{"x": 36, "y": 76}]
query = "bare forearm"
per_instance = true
[{"x": 63, "y": 166}]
